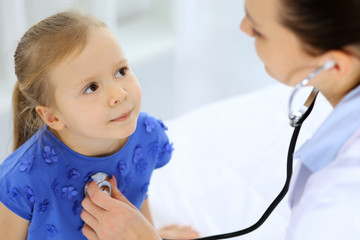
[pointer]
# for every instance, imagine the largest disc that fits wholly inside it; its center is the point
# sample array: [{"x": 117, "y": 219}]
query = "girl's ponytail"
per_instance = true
[{"x": 26, "y": 120}]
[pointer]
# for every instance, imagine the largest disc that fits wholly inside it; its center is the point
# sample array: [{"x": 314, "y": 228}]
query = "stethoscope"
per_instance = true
[
  {"x": 102, "y": 181},
  {"x": 296, "y": 120}
]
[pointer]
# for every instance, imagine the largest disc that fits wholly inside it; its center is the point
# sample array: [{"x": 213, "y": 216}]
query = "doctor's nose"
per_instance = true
[
  {"x": 245, "y": 26},
  {"x": 118, "y": 95}
]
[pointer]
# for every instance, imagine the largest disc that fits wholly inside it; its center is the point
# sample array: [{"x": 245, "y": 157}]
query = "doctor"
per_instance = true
[{"x": 292, "y": 38}]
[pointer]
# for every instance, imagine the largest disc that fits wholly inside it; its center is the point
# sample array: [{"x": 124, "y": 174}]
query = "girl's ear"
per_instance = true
[{"x": 49, "y": 117}]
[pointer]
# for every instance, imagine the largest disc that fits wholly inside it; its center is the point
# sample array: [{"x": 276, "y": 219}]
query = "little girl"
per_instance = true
[{"x": 76, "y": 112}]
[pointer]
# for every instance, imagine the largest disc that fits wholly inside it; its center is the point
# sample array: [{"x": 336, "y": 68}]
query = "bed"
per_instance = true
[{"x": 228, "y": 163}]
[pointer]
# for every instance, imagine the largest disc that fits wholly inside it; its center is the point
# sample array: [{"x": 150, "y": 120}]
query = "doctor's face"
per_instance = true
[{"x": 279, "y": 49}]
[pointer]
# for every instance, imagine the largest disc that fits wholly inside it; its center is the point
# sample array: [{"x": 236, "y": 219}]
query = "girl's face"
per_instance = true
[
  {"x": 96, "y": 96},
  {"x": 278, "y": 48}
]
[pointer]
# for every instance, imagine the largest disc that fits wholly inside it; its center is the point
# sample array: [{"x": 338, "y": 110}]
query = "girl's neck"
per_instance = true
[{"x": 91, "y": 148}]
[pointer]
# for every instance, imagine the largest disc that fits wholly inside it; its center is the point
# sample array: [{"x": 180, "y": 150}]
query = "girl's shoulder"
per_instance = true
[
  {"x": 21, "y": 160},
  {"x": 151, "y": 133},
  {"x": 24, "y": 174},
  {"x": 149, "y": 124},
  {"x": 15, "y": 181}
]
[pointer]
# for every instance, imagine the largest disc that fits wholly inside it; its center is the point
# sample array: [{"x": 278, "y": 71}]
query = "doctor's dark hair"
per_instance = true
[
  {"x": 41, "y": 48},
  {"x": 323, "y": 25}
]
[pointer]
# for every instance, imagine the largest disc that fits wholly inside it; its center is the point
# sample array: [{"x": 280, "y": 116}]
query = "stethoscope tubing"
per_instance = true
[
  {"x": 275, "y": 202},
  {"x": 283, "y": 192}
]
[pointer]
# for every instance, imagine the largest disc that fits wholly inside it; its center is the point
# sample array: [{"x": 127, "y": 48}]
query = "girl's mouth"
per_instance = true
[{"x": 122, "y": 117}]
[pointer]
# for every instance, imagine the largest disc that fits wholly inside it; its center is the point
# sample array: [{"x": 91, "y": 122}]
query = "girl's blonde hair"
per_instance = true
[{"x": 42, "y": 47}]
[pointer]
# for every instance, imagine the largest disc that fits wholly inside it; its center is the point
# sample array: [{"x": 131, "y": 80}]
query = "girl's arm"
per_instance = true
[
  {"x": 12, "y": 227},
  {"x": 172, "y": 231}
]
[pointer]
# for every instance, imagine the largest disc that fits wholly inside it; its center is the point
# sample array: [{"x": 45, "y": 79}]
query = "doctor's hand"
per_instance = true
[{"x": 113, "y": 218}]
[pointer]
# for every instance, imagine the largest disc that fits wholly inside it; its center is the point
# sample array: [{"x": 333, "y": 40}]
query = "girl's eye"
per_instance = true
[
  {"x": 91, "y": 88},
  {"x": 121, "y": 73}
]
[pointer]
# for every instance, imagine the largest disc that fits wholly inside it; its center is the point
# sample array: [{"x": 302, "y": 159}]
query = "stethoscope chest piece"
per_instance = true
[{"x": 102, "y": 181}]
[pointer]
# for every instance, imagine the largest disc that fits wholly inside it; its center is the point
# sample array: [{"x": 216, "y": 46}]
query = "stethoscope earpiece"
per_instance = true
[{"x": 329, "y": 64}]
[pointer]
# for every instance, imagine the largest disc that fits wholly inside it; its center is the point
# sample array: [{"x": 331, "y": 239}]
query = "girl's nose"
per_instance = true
[{"x": 118, "y": 95}]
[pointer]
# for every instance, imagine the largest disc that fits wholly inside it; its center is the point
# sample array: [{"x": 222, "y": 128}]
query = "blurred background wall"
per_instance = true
[{"x": 185, "y": 53}]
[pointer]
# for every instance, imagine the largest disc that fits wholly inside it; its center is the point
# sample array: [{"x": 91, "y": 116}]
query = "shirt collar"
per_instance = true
[{"x": 323, "y": 147}]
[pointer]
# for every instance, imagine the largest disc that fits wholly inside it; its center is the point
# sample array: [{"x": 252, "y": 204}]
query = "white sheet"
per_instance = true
[{"x": 229, "y": 164}]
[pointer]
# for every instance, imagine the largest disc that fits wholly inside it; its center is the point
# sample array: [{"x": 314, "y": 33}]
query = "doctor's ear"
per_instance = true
[
  {"x": 344, "y": 63},
  {"x": 49, "y": 117}
]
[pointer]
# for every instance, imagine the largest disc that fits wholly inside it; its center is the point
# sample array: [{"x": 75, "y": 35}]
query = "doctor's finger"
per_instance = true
[
  {"x": 91, "y": 207},
  {"x": 116, "y": 194},
  {"x": 89, "y": 233},
  {"x": 89, "y": 219},
  {"x": 99, "y": 198}
]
